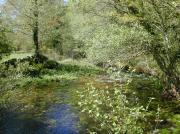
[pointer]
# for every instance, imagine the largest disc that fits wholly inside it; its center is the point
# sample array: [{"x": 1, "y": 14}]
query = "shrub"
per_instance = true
[
  {"x": 50, "y": 64},
  {"x": 111, "y": 111},
  {"x": 33, "y": 70},
  {"x": 142, "y": 68}
]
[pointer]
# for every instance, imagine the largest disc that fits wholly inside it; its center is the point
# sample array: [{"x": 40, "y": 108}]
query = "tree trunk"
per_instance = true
[
  {"x": 36, "y": 29},
  {"x": 171, "y": 84},
  {"x": 36, "y": 39},
  {"x": 171, "y": 79}
]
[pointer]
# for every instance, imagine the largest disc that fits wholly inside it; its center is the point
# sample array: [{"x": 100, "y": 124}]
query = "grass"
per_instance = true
[{"x": 15, "y": 55}]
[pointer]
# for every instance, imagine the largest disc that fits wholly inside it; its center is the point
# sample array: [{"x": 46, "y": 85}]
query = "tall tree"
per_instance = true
[
  {"x": 5, "y": 47},
  {"x": 160, "y": 18},
  {"x": 105, "y": 40},
  {"x": 155, "y": 19},
  {"x": 35, "y": 26},
  {"x": 32, "y": 17}
]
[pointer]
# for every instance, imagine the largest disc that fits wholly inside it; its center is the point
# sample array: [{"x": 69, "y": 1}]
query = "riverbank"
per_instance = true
[
  {"x": 37, "y": 102},
  {"x": 51, "y": 102}
]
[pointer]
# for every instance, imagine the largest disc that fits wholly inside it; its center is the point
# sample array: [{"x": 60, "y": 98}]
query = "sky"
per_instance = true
[{"x": 1, "y": 1}]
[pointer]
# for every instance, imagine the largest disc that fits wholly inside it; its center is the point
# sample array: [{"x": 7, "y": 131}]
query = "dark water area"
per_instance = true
[
  {"x": 17, "y": 123},
  {"x": 59, "y": 119}
]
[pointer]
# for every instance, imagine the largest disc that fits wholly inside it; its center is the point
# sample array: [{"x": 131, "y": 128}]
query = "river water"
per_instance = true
[{"x": 59, "y": 118}]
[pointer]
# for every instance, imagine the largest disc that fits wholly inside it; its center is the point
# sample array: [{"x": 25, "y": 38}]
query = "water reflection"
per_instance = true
[
  {"x": 63, "y": 122},
  {"x": 14, "y": 123},
  {"x": 60, "y": 119}
]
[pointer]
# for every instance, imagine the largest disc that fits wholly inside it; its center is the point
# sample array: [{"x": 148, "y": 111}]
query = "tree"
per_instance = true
[
  {"x": 43, "y": 23},
  {"x": 160, "y": 18},
  {"x": 25, "y": 17},
  {"x": 58, "y": 33},
  {"x": 32, "y": 18},
  {"x": 5, "y": 47},
  {"x": 35, "y": 26},
  {"x": 105, "y": 41}
]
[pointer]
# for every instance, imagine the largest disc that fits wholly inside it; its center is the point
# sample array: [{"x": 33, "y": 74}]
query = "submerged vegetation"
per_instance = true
[{"x": 97, "y": 66}]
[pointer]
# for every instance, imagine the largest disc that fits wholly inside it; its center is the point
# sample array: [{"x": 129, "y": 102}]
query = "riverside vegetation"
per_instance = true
[{"x": 95, "y": 67}]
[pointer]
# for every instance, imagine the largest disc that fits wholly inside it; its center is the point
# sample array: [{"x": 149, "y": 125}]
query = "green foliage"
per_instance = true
[
  {"x": 31, "y": 88},
  {"x": 111, "y": 111},
  {"x": 160, "y": 20},
  {"x": 58, "y": 35},
  {"x": 115, "y": 43},
  {"x": 117, "y": 30},
  {"x": 103, "y": 39},
  {"x": 103, "y": 31},
  {"x": 50, "y": 64},
  {"x": 28, "y": 67},
  {"x": 5, "y": 47},
  {"x": 33, "y": 70}
]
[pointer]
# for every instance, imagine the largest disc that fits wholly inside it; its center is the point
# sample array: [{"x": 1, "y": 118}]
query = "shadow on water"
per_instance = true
[
  {"x": 17, "y": 123},
  {"x": 60, "y": 119}
]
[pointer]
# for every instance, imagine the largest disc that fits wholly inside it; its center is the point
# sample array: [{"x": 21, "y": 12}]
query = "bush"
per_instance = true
[
  {"x": 12, "y": 70},
  {"x": 108, "y": 44},
  {"x": 141, "y": 68},
  {"x": 33, "y": 70},
  {"x": 144, "y": 68},
  {"x": 111, "y": 111},
  {"x": 50, "y": 64}
]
